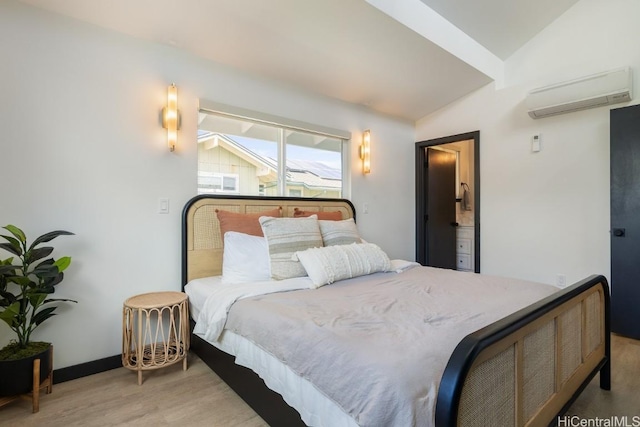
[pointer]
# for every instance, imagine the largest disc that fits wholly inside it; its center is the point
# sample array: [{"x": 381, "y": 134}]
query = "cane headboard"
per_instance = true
[{"x": 201, "y": 237}]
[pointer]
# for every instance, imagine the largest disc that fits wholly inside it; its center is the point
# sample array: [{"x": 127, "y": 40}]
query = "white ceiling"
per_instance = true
[
  {"x": 502, "y": 26},
  {"x": 345, "y": 49}
]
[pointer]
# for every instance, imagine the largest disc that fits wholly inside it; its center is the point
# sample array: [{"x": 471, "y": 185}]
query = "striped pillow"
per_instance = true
[
  {"x": 342, "y": 232},
  {"x": 285, "y": 236}
]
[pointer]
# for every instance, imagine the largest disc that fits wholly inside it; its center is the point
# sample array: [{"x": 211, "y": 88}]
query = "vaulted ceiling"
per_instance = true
[{"x": 404, "y": 58}]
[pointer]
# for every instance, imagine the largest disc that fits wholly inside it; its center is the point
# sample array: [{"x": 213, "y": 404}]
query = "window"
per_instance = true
[
  {"x": 254, "y": 157},
  {"x": 212, "y": 182}
]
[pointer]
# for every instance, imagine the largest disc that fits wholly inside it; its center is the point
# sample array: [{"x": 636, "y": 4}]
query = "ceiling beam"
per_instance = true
[{"x": 425, "y": 21}]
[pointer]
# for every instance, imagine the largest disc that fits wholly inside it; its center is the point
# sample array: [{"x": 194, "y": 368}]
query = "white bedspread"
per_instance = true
[
  {"x": 375, "y": 345},
  {"x": 213, "y": 316}
]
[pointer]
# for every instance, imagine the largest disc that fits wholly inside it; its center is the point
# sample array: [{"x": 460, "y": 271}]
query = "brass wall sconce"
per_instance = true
[
  {"x": 171, "y": 117},
  {"x": 365, "y": 152}
]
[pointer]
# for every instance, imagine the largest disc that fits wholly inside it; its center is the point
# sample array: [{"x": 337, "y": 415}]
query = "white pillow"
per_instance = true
[
  {"x": 342, "y": 232},
  {"x": 284, "y": 237},
  {"x": 245, "y": 258},
  {"x": 332, "y": 263}
]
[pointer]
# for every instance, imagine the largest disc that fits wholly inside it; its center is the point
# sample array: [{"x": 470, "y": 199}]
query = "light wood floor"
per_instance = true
[
  {"x": 168, "y": 396},
  {"x": 197, "y": 397},
  {"x": 624, "y": 397}
]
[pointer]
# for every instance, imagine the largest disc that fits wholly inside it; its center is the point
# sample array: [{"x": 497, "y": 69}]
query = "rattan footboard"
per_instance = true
[{"x": 526, "y": 369}]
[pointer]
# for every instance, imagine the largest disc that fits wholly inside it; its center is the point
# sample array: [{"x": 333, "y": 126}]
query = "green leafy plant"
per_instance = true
[{"x": 26, "y": 281}]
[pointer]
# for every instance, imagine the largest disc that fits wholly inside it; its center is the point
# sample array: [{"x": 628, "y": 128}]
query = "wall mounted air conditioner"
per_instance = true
[{"x": 600, "y": 89}]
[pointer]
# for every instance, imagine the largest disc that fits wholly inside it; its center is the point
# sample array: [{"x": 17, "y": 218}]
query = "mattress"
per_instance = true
[
  {"x": 375, "y": 346},
  {"x": 198, "y": 291},
  {"x": 315, "y": 408}
]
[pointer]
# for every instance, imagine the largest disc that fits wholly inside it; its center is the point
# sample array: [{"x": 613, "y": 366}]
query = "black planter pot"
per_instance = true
[{"x": 17, "y": 375}]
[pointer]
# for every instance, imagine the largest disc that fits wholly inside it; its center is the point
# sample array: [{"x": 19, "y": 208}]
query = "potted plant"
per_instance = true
[{"x": 26, "y": 280}]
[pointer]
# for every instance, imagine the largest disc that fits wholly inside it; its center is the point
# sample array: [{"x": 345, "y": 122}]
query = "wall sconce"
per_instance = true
[
  {"x": 365, "y": 151},
  {"x": 171, "y": 117}
]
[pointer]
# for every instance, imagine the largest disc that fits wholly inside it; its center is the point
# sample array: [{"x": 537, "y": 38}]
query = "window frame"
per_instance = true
[
  {"x": 222, "y": 176},
  {"x": 283, "y": 123}
]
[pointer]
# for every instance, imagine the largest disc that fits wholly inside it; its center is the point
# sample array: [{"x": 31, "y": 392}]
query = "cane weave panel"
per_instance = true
[
  {"x": 250, "y": 209},
  {"x": 592, "y": 310},
  {"x": 570, "y": 341},
  {"x": 488, "y": 395},
  {"x": 206, "y": 228},
  {"x": 539, "y": 356}
]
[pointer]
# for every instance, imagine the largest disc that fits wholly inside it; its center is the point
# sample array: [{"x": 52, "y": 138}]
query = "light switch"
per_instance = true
[{"x": 163, "y": 206}]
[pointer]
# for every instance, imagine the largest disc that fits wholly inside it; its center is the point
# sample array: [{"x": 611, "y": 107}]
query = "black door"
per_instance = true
[
  {"x": 441, "y": 209},
  {"x": 423, "y": 253},
  {"x": 625, "y": 221}
]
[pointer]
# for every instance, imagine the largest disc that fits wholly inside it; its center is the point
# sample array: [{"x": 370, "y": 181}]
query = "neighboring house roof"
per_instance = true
[
  {"x": 308, "y": 173},
  {"x": 264, "y": 165},
  {"x": 311, "y": 180},
  {"x": 319, "y": 169}
]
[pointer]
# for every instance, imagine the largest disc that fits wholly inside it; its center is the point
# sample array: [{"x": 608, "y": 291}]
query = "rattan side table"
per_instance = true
[{"x": 155, "y": 331}]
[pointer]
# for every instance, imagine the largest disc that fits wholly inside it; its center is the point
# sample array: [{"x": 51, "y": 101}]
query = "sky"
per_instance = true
[{"x": 294, "y": 152}]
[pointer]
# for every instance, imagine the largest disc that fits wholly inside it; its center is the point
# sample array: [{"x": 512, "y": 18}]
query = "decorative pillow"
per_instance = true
[
  {"x": 245, "y": 258},
  {"x": 243, "y": 223},
  {"x": 332, "y": 263},
  {"x": 339, "y": 232},
  {"x": 284, "y": 237},
  {"x": 327, "y": 216}
]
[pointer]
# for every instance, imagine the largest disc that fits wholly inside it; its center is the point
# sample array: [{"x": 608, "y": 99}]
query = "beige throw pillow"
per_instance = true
[
  {"x": 284, "y": 237},
  {"x": 342, "y": 232}
]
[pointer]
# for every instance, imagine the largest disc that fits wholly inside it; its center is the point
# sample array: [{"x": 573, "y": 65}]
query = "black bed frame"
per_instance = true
[
  {"x": 274, "y": 410},
  {"x": 462, "y": 358},
  {"x": 247, "y": 384}
]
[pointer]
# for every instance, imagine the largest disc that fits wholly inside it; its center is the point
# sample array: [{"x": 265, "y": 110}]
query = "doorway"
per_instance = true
[{"x": 448, "y": 202}]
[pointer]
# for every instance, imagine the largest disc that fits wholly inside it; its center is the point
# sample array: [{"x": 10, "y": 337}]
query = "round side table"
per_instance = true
[{"x": 155, "y": 331}]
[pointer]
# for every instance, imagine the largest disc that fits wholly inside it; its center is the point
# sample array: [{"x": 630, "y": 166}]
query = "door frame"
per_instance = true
[{"x": 422, "y": 199}]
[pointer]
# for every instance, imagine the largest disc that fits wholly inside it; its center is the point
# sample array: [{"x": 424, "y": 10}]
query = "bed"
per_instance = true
[{"x": 522, "y": 368}]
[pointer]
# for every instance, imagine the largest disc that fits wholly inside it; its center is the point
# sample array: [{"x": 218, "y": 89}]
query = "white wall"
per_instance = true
[
  {"x": 82, "y": 150},
  {"x": 547, "y": 213}
]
